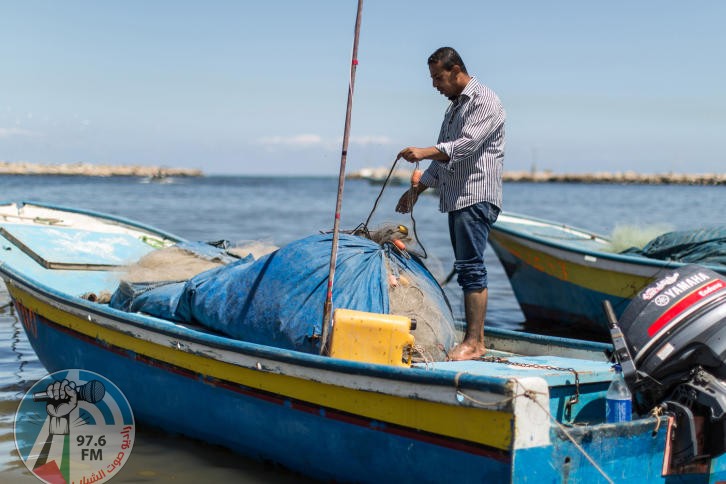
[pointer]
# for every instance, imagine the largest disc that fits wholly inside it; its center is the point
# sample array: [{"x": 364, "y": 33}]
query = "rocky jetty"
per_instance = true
[
  {"x": 627, "y": 177},
  {"x": 402, "y": 176},
  {"x": 90, "y": 169}
]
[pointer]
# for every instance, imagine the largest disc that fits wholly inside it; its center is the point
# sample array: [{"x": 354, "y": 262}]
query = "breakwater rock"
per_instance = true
[
  {"x": 90, "y": 169},
  {"x": 627, "y": 177},
  {"x": 402, "y": 176}
]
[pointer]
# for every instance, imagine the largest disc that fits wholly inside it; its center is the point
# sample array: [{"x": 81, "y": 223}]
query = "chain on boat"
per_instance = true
[{"x": 573, "y": 399}]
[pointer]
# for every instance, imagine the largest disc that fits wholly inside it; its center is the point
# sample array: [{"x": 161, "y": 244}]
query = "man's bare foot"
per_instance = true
[{"x": 467, "y": 351}]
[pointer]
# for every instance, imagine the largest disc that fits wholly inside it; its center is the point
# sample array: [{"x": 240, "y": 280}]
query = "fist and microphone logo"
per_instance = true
[
  {"x": 91, "y": 392},
  {"x": 74, "y": 426}
]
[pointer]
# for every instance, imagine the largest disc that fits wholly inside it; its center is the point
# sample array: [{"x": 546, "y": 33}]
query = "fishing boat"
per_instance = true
[
  {"x": 532, "y": 410},
  {"x": 382, "y": 175},
  {"x": 561, "y": 274}
]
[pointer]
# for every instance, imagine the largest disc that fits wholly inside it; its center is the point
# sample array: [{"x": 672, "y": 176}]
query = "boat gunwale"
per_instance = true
[
  {"x": 433, "y": 376},
  {"x": 611, "y": 256},
  {"x": 103, "y": 216},
  {"x": 436, "y": 376}
]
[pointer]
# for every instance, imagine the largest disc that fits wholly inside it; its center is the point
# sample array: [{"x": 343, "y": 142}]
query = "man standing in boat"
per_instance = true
[{"x": 466, "y": 167}]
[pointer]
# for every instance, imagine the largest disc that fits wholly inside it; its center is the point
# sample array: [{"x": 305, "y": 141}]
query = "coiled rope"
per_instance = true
[
  {"x": 364, "y": 227},
  {"x": 532, "y": 395}
]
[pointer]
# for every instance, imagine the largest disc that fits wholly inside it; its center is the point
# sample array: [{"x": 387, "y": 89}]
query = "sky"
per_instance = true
[{"x": 260, "y": 87}]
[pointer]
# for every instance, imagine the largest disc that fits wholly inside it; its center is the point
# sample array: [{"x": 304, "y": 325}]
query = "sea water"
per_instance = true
[{"x": 278, "y": 211}]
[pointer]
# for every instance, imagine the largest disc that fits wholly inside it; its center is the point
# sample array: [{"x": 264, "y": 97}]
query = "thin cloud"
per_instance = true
[
  {"x": 314, "y": 140},
  {"x": 371, "y": 140},
  {"x": 11, "y": 132},
  {"x": 301, "y": 140}
]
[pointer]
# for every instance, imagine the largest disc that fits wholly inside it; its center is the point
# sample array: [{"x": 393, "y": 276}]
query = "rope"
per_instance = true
[
  {"x": 531, "y": 394},
  {"x": 413, "y": 221},
  {"x": 427, "y": 360},
  {"x": 573, "y": 399},
  {"x": 657, "y": 412},
  {"x": 574, "y": 442},
  {"x": 497, "y": 403},
  {"x": 364, "y": 226},
  {"x": 378, "y": 198}
]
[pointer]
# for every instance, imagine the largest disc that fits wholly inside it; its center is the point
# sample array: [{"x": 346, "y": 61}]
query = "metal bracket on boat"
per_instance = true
[
  {"x": 37, "y": 220},
  {"x": 573, "y": 399},
  {"x": 179, "y": 345}
]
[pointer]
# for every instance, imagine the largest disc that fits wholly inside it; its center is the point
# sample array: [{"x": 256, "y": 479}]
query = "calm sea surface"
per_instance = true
[{"x": 278, "y": 211}]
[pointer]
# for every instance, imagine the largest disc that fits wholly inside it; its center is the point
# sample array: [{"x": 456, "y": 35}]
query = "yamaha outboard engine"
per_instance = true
[{"x": 671, "y": 343}]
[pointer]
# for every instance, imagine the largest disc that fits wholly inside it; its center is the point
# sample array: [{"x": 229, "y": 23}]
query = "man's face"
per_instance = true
[{"x": 445, "y": 81}]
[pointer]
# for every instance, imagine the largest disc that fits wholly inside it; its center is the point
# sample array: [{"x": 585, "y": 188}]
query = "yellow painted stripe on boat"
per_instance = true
[
  {"x": 588, "y": 276},
  {"x": 488, "y": 427}
]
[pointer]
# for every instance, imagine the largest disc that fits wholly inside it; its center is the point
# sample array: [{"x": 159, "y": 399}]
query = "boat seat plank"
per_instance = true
[
  {"x": 76, "y": 282},
  {"x": 556, "y": 370},
  {"x": 70, "y": 248}
]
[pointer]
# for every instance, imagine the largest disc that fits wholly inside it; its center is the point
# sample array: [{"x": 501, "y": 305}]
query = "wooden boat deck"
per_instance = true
[{"x": 556, "y": 370}]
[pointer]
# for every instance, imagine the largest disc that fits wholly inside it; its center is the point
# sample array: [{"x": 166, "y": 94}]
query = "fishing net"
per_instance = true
[
  {"x": 411, "y": 297},
  {"x": 626, "y": 237},
  {"x": 698, "y": 246},
  {"x": 275, "y": 297},
  {"x": 187, "y": 259}
]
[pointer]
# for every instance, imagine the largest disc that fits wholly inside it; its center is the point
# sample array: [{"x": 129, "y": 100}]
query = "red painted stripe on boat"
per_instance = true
[
  {"x": 299, "y": 405},
  {"x": 697, "y": 294}
]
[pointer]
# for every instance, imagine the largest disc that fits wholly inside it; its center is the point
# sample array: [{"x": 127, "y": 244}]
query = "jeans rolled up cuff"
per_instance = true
[{"x": 471, "y": 276}]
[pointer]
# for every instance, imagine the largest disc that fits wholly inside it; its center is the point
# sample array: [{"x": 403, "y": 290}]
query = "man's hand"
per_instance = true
[
  {"x": 413, "y": 154},
  {"x": 407, "y": 201}
]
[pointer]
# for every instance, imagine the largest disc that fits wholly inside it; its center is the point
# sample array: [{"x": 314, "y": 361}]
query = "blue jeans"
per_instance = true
[{"x": 469, "y": 230}]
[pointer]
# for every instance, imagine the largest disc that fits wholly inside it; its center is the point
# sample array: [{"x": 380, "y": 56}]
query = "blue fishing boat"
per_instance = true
[
  {"x": 532, "y": 410},
  {"x": 562, "y": 274}
]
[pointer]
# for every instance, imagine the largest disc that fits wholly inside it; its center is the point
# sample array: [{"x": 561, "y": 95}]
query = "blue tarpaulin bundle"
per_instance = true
[
  {"x": 700, "y": 246},
  {"x": 278, "y": 299}
]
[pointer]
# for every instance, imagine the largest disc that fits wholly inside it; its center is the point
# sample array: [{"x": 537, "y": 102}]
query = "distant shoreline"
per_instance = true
[
  {"x": 373, "y": 175},
  {"x": 628, "y": 177},
  {"x": 402, "y": 176},
  {"x": 89, "y": 169}
]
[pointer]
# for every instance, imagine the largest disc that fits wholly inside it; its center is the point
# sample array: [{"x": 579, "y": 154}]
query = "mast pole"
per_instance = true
[{"x": 327, "y": 310}]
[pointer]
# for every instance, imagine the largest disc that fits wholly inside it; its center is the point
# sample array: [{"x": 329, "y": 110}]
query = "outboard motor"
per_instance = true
[{"x": 671, "y": 344}]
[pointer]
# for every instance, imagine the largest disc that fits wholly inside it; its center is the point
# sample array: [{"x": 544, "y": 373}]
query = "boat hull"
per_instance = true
[
  {"x": 198, "y": 397},
  {"x": 191, "y": 393},
  {"x": 561, "y": 275},
  {"x": 205, "y": 399},
  {"x": 329, "y": 418}
]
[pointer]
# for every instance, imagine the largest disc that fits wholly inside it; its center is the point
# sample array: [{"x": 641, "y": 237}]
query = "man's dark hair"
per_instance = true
[{"x": 448, "y": 58}]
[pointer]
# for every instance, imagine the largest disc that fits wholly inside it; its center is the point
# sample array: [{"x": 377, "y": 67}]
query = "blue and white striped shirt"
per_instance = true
[{"x": 472, "y": 135}]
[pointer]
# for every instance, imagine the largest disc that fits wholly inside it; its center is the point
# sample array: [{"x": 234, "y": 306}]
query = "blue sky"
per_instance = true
[{"x": 259, "y": 87}]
